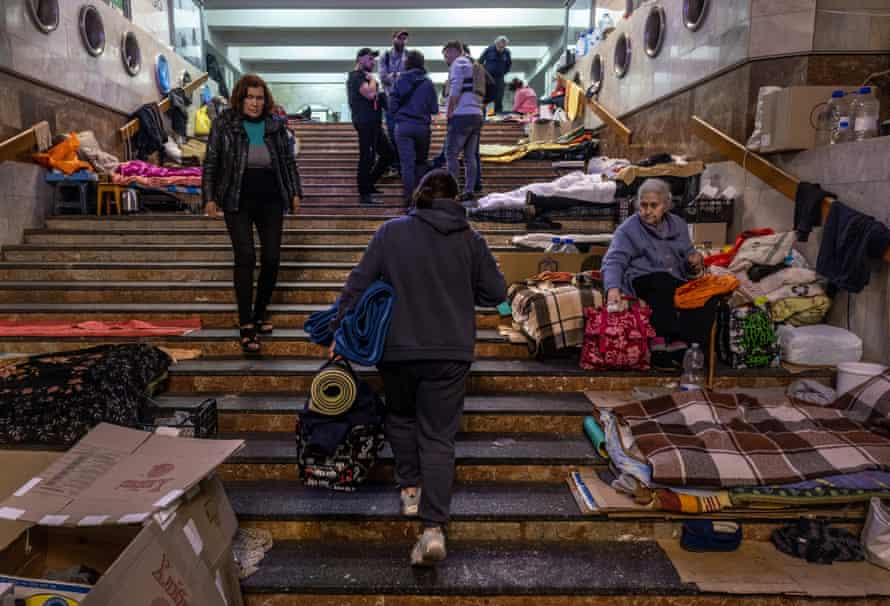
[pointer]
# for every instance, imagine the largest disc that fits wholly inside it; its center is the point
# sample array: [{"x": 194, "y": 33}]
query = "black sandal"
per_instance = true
[
  {"x": 249, "y": 342},
  {"x": 263, "y": 327}
]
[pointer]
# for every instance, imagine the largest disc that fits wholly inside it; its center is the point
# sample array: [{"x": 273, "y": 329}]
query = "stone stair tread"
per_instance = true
[
  {"x": 471, "y": 449},
  {"x": 516, "y": 368},
  {"x": 290, "y": 500},
  {"x": 196, "y": 308},
  {"x": 566, "y": 404},
  {"x": 471, "y": 569},
  {"x": 163, "y": 264},
  {"x": 149, "y": 284},
  {"x": 222, "y": 334}
]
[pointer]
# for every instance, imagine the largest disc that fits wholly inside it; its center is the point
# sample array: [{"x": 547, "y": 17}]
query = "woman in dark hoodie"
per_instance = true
[
  {"x": 413, "y": 103},
  {"x": 440, "y": 269}
]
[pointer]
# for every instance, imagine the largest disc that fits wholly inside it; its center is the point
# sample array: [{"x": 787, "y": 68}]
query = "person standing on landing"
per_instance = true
[
  {"x": 413, "y": 102},
  {"x": 498, "y": 62},
  {"x": 250, "y": 175},
  {"x": 392, "y": 65},
  {"x": 464, "y": 118},
  {"x": 440, "y": 270},
  {"x": 366, "y": 104}
]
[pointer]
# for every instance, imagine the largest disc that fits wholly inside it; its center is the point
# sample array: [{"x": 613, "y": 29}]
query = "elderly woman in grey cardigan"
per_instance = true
[{"x": 650, "y": 256}]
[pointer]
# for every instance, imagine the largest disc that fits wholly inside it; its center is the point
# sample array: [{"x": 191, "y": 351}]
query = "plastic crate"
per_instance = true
[{"x": 199, "y": 422}]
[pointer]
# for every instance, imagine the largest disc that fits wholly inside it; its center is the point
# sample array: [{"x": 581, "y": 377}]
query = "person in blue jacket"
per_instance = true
[
  {"x": 413, "y": 102},
  {"x": 497, "y": 62}
]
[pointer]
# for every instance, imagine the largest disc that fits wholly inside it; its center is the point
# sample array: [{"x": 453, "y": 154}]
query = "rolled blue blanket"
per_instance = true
[
  {"x": 362, "y": 333},
  {"x": 318, "y": 325}
]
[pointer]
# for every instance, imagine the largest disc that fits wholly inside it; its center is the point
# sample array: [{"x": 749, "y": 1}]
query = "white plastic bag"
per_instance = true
[
  {"x": 819, "y": 345},
  {"x": 875, "y": 536},
  {"x": 754, "y": 143}
]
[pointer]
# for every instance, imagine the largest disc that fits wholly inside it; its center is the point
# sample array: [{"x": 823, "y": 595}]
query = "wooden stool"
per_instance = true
[{"x": 115, "y": 191}]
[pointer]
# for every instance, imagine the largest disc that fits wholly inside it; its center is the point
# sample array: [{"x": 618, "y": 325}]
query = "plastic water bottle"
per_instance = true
[
  {"x": 569, "y": 248},
  {"x": 840, "y": 117},
  {"x": 693, "y": 369},
  {"x": 865, "y": 110},
  {"x": 579, "y": 45},
  {"x": 555, "y": 245}
]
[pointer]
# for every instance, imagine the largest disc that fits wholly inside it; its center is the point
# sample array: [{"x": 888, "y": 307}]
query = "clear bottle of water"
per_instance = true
[
  {"x": 555, "y": 245},
  {"x": 569, "y": 247},
  {"x": 579, "y": 45},
  {"x": 840, "y": 117},
  {"x": 866, "y": 110},
  {"x": 693, "y": 369}
]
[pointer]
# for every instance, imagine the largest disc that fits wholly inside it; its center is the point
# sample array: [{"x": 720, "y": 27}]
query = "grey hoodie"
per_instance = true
[{"x": 440, "y": 270}]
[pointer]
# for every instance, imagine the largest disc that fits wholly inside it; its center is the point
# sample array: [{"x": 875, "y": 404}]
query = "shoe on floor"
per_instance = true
[
  {"x": 430, "y": 548},
  {"x": 368, "y": 199},
  {"x": 675, "y": 346},
  {"x": 658, "y": 344},
  {"x": 410, "y": 503}
]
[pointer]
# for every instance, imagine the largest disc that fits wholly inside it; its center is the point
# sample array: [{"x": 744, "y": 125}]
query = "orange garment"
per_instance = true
[
  {"x": 724, "y": 259},
  {"x": 696, "y": 293},
  {"x": 63, "y": 157}
]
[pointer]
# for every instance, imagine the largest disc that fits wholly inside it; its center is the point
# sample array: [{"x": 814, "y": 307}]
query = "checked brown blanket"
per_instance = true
[
  {"x": 703, "y": 438},
  {"x": 552, "y": 318}
]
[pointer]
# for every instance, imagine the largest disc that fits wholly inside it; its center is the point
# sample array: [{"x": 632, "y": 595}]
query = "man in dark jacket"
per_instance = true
[
  {"x": 497, "y": 62},
  {"x": 413, "y": 102},
  {"x": 440, "y": 270}
]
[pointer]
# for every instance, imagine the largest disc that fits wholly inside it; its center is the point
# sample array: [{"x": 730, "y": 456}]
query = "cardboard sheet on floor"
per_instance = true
[
  {"x": 759, "y": 568},
  {"x": 586, "y": 487}
]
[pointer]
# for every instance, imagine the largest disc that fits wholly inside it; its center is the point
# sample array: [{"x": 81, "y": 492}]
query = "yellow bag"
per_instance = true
[{"x": 202, "y": 122}]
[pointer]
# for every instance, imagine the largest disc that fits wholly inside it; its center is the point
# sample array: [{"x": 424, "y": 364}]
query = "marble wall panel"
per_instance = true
[
  {"x": 27, "y": 200},
  {"x": 852, "y": 25},
  {"x": 779, "y": 34}
]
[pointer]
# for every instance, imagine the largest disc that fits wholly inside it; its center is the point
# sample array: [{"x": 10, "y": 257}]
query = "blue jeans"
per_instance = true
[
  {"x": 413, "y": 143},
  {"x": 463, "y": 136},
  {"x": 439, "y": 162}
]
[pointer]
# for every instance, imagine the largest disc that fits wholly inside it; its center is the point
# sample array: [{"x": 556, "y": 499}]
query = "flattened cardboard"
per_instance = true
[
  {"x": 759, "y": 568},
  {"x": 607, "y": 499},
  {"x": 18, "y": 468},
  {"x": 115, "y": 475},
  {"x": 519, "y": 266}
]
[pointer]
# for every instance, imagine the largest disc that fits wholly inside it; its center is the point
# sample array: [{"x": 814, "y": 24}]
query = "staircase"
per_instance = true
[{"x": 517, "y": 536}]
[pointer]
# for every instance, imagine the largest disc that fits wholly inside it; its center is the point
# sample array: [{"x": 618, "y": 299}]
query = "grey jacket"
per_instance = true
[
  {"x": 440, "y": 269},
  {"x": 226, "y": 160},
  {"x": 638, "y": 249}
]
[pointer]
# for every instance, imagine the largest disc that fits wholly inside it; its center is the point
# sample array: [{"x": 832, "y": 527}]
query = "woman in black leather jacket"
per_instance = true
[{"x": 251, "y": 176}]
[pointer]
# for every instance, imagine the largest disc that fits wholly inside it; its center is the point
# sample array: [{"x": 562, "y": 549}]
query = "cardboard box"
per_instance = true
[
  {"x": 715, "y": 233},
  {"x": 521, "y": 265},
  {"x": 790, "y": 117},
  {"x": 135, "y": 506}
]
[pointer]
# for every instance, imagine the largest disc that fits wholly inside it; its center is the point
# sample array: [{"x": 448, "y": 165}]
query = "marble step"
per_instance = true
[
  {"x": 502, "y": 457},
  {"x": 560, "y": 414},
  {"x": 110, "y": 303},
  {"x": 486, "y": 376},
  {"x": 506, "y": 512},
  {"x": 73, "y": 237},
  {"x": 289, "y": 271},
  {"x": 224, "y": 342}
]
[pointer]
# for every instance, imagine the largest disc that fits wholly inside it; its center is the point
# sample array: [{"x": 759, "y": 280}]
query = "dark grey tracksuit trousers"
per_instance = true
[{"x": 424, "y": 402}]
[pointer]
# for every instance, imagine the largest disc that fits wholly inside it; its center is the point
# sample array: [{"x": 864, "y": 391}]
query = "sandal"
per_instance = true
[
  {"x": 249, "y": 342},
  {"x": 264, "y": 327}
]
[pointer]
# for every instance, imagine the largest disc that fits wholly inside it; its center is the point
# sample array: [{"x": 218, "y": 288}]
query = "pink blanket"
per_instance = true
[
  {"x": 128, "y": 328},
  {"x": 138, "y": 168}
]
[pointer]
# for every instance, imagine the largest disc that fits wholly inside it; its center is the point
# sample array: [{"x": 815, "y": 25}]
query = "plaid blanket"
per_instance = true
[
  {"x": 707, "y": 439},
  {"x": 552, "y": 318}
]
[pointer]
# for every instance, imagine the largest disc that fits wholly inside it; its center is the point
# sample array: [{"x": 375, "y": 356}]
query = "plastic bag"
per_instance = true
[
  {"x": 202, "y": 122},
  {"x": 819, "y": 345},
  {"x": 876, "y": 534}
]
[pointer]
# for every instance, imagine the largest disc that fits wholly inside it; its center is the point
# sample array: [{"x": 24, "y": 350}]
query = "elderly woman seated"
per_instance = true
[{"x": 650, "y": 256}]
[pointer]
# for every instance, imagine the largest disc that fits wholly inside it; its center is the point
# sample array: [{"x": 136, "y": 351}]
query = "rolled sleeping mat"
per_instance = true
[
  {"x": 596, "y": 435},
  {"x": 333, "y": 390}
]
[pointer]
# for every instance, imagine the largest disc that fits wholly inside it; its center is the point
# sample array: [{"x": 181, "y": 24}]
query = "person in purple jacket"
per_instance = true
[
  {"x": 413, "y": 103},
  {"x": 651, "y": 255}
]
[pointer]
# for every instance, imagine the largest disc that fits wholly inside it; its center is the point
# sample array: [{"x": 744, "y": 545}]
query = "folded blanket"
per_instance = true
[
  {"x": 728, "y": 440},
  {"x": 696, "y": 293},
  {"x": 763, "y": 250},
  {"x": 362, "y": 334},
  {"x": 847, "y": 488},
  {"x": 552, "y": 318},
  {"x": 801, "y": 311}
]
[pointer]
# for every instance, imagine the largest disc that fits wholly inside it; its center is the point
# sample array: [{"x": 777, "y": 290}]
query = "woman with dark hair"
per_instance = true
[
  {"x": 413, "y": 103},
  {"x": 440, "y": 269},
  {"x": 525, "y": 99},
  {"x": 250, "y": 174}
]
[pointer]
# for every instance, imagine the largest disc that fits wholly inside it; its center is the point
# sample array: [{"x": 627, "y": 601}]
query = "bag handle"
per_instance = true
[
  {"x": 604, "y": 323},
  {"x": 635, "y": 309},
  {"x": 343, "y": 362}
]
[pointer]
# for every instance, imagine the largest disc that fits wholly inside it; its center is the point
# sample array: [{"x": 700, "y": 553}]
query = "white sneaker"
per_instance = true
[
  {"x": 430, "y": 548},
  {"x": 410, "y": 503}
]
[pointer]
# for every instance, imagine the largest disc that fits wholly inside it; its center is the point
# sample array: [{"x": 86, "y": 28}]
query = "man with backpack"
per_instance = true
[
  {"x": 497, "y": 61},
  {"x": 392, "y": 65},
  {"x": 464, "y": 116}
]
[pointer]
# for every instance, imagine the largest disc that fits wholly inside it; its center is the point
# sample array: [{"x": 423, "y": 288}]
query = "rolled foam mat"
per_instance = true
[{"x": 333, "y": 391}]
